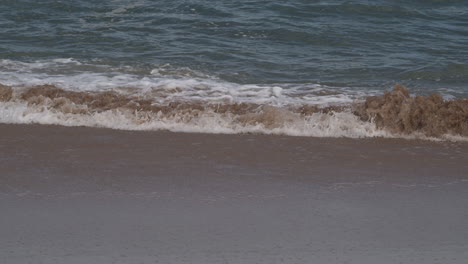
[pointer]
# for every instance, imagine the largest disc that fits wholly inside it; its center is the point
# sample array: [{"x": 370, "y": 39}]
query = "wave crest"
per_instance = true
[
  {"x": 394, "y": 114},
  {"x": 398, "y": 112}
]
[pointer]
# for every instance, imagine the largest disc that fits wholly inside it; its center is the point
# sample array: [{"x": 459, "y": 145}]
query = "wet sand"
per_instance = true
[{"x": 89, "y": 195}]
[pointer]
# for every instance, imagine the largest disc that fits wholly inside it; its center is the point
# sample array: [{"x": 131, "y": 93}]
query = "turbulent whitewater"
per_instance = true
[
  {"x": 395, "y": 114},
  {"x": 310, "y": 68}
]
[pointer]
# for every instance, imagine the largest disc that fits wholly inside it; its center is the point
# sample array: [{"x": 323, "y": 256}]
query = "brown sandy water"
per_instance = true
[
  {"x": 88, "y": 195},
  {"x": 394, "y": 114}
]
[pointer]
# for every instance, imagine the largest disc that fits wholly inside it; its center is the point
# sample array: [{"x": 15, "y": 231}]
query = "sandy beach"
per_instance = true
[{"x": 90, "y": 195}]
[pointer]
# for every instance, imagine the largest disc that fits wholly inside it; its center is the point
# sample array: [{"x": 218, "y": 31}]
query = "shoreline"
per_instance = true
[{"x": 52, "y": 148}]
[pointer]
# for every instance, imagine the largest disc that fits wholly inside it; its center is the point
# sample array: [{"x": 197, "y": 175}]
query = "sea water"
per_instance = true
[{"x": 273, "y": 56}]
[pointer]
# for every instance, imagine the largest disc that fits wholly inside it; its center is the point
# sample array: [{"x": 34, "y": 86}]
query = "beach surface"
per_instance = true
[{"x": 91, "y": 195}]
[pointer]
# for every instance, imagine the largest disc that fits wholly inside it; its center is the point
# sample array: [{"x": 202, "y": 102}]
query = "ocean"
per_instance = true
[
  {"x": 249, "y": 131},
  {"x": 304, "y": 68}
]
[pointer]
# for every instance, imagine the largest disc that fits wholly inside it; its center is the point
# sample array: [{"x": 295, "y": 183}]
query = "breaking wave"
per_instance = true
[{"x": 394, "y": 114}]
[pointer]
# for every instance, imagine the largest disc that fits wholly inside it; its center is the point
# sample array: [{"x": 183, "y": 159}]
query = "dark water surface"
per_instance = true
[{"x": 370, "y": 44}]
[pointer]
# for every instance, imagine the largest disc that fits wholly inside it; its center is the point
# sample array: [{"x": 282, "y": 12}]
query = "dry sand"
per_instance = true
[{"x": 87, "y": 195}]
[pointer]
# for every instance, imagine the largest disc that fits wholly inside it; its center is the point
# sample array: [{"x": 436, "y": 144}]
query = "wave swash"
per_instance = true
[{"x": 393, "y": 114}]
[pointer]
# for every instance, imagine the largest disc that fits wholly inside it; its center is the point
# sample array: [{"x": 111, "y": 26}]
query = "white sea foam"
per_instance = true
[
  {"x": 341, "y": 124},
  {"x": 318, "y": 125},
  {"x": 167, "y": 83},
  {"x": 151, "y": 100}
]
